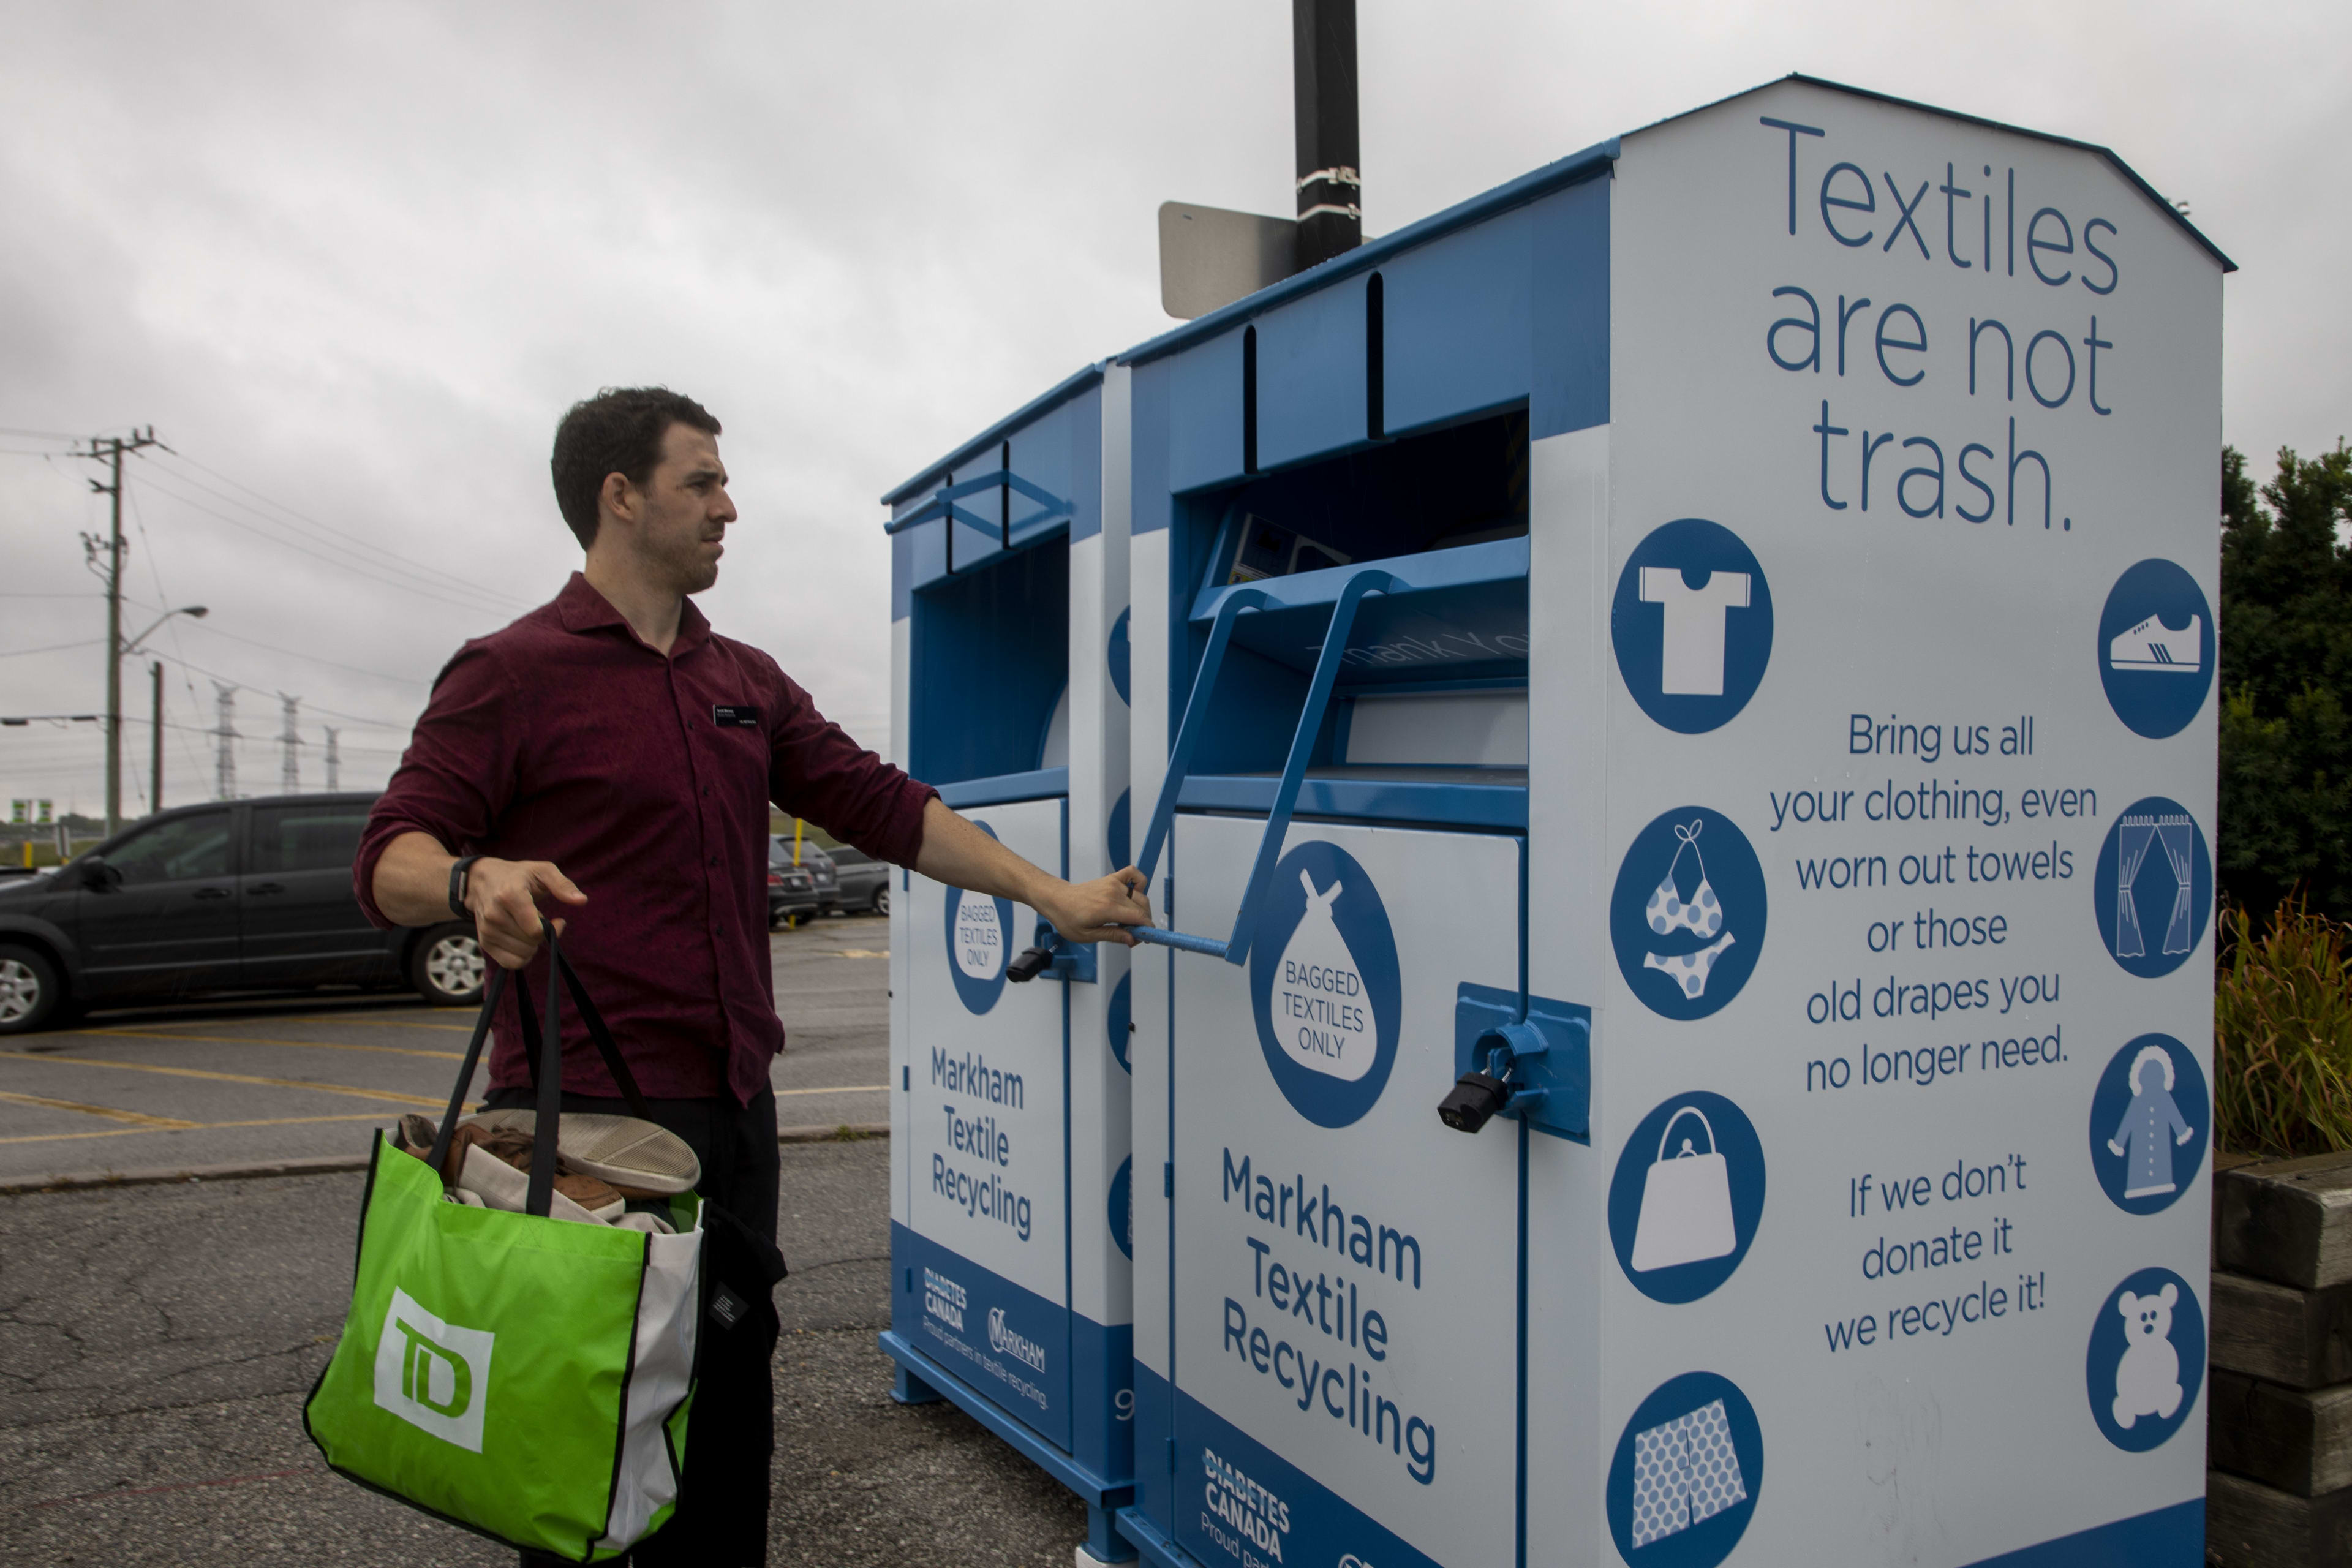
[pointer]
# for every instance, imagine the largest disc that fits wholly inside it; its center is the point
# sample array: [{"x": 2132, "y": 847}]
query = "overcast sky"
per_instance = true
[{"x": 352, "y": 261}]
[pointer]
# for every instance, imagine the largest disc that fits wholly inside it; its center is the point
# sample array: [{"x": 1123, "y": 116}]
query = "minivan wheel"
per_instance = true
[
  {"x": 449, "y": 968},
  {"x": 32, "y": 993},
  {"x": 881, "y": 904}
]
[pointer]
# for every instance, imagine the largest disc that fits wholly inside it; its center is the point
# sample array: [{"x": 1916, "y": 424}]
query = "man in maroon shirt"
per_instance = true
[{"x": 610, "y": 760}]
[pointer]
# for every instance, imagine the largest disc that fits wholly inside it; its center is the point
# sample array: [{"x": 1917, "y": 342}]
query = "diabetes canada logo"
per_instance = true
[
  {"x": 979, "y": 928},
  {"x": 1324, "y": 984},
  {"x": 434, "y": 1375}
]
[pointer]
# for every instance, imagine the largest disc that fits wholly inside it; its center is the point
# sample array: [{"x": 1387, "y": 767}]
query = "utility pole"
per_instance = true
[
  {"x": 225, "y": 759},
  {"x": 1323, "y": 101},
  {"x": 290, "y": 772},
  {"x": 334, "y": 762},
  {"x": 155, "y": 736},
  {"x": 109, "y": 449}
]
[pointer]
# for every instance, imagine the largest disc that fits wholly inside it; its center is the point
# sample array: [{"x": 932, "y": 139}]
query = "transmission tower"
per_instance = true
[
  {"x": 334, "y": 762},
  {"x": 225, "y": 736},
  {"x": 289, "y": 771}
]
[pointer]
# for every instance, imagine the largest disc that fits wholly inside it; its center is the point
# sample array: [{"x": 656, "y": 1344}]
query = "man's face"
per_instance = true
[{"x": 683, "y": 511}]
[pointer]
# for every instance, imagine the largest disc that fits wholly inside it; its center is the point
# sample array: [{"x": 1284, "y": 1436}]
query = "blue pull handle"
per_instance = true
[
  {"x": 1183, "y": 941},
  {"x": 1236, "y": 948}
]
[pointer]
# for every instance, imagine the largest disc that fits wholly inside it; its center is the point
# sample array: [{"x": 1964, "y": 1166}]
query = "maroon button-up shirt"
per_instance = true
[{"x": 646, "y": 780}]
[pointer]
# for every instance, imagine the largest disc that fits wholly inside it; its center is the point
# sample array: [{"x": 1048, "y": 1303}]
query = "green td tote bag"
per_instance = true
[{"x": 524, "y": 1376}]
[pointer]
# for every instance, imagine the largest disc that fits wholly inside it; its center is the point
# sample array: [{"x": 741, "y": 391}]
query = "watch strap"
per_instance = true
[{"x": 457, "y": 870}]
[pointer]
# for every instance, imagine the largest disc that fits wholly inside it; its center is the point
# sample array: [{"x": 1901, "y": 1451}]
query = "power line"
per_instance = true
[
  {"x": 314, "y": 658},
  {"x": 356, "y": 541},
  {"x": 52, "y": 647},
  {"x": 383, "y": 574},
  {"x": 362, "y": 719}
]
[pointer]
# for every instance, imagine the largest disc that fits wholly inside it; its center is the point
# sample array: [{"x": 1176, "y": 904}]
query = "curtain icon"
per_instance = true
[
  {"x": 2134, "y": 835},
  {"x": 2174, "y": 832},
  {"x": 1685, "y": 1472},
  {"x": 1685, "y": 1203}
]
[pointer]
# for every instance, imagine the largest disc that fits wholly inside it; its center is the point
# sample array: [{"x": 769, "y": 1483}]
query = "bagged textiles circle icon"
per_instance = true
[
  {"x": 979, "y": 928},
  {"x": 2153, "y": 886},
  {"x": 2146, "y": 1360},
  {"x": 2156, "y": 648},
  {"x": 1684, "y": 1481},
  {"x": 1692, "y": 625},
  {"x": 2151, "y": 1120},
  {"x": 1688, "y": 912},
  {"x": 1324, "y": 984},
  {"x": 1122, "y": 1207},
  {"x": 1688, "y": 1196},
  {"x": 1119, "y": 1026}
]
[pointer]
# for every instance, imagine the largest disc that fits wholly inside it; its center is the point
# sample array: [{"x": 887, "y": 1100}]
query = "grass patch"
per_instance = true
[{"x": 2282, "y": 1035}]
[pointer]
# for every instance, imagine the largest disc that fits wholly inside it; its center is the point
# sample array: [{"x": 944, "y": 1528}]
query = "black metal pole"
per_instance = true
[{"x": 1323, "y": 76}]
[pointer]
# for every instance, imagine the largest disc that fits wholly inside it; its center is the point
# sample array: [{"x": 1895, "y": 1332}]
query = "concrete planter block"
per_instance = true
[
  {"x": 2250, "y": 1525},
  {"x": 2299, "y": 1338},
  {"x": 2298, "y": 1441},
  {"x": 2286, "y": 1220}
]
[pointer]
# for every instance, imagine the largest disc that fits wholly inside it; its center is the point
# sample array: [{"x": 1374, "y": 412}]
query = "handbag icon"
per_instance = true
[{"x": 1685, "y": 1203}]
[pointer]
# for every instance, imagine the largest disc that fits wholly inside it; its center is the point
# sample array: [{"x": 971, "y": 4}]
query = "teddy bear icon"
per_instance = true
[{"x": 2148, "y": 1379}]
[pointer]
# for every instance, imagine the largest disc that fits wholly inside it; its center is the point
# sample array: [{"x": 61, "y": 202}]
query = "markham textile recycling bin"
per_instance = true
[
  {"x": 1708, "y": 648},
  {"x": 1009, "y": 1120}
]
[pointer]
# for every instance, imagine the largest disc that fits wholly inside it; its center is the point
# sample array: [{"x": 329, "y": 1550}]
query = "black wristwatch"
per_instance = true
[{"x": 458, "y": 869}]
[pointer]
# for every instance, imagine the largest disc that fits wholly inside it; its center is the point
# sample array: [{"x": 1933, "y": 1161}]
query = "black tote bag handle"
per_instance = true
[{"x": 543, "y": 1050}]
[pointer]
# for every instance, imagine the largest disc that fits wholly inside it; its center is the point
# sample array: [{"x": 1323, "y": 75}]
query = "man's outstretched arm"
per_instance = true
[
  {"x": 961, "y": 856},
  {"x": 412, "y": 888}
]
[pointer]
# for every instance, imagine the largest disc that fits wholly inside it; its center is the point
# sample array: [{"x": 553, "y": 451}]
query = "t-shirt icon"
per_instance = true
[
  {"x": 1691, "y": 650},
  {"x": 1692, "y": 625},
  {"x": 2156, "y": 648}
]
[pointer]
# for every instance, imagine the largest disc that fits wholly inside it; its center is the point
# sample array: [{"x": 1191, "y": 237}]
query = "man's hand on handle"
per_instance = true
[
  {"x": 961, "y": 856},
  {"x": 506, "y": 897}
]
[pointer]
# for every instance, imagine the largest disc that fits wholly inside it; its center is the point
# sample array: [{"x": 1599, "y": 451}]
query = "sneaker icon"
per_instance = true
[{"x": 2153, "y": 646}]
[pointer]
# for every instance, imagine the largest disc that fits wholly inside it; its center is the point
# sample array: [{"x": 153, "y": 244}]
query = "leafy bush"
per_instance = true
[
  {"x": 2287, "y": 667},
  {"x": 2282, "y": 1035}
]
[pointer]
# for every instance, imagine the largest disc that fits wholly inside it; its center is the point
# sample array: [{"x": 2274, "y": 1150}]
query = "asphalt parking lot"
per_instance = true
[
  {"x": 156, "y": 1341},
  {"x": 224, "y": 1083}
]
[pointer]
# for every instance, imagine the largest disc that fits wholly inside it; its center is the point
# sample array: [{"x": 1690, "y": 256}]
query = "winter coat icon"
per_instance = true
[
  {"x": 1321, "y": 1012},
  {"x": 978, "y": 936}
]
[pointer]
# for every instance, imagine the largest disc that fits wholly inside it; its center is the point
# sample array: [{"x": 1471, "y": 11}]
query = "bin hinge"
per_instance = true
[
  {"x": 1168, "y": 1179},
  {"x": 905, "y": 1080}
]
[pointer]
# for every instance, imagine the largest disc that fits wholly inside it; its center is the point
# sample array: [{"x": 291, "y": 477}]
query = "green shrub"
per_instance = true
[{"x": 2282, "y": 1035}]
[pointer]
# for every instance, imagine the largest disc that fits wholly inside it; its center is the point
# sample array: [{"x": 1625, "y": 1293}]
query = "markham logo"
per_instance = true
[
  {"x": 1008, "y": 1341},
  {"x": 943, "y": 1298},
  {"x": 432, "y": 1374},
  {"x": 1353, "y": 1561}
]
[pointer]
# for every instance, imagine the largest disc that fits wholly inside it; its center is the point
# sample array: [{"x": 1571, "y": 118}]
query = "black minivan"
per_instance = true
[{"x": 249, "y": 895}]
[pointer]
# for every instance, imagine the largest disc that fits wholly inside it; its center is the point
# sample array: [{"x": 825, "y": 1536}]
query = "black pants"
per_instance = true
[{"x": 722, "y": 1519}]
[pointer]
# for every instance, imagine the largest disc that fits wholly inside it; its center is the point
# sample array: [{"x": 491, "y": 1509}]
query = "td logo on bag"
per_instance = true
[
  {"x": 1324, "y": 984},
  {"x": 434, "y": 1375}
]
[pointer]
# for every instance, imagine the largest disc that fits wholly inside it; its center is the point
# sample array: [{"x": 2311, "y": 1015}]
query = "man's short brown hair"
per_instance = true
[{"x": 618, "y": 431}]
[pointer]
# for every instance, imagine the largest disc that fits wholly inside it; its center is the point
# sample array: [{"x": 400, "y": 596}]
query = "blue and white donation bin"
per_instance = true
[
  {"x": 1673, "y": 738},
  {"x": 1009, "y": 1192}
]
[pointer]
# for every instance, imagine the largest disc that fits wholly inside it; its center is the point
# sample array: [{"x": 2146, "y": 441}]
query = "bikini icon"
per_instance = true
[{"x": 1701, "y": 915}]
